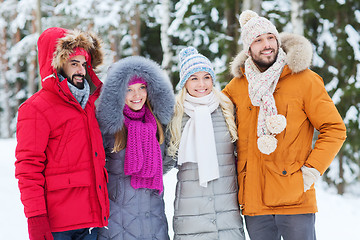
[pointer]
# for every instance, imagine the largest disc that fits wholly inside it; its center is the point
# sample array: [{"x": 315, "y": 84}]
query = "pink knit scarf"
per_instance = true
[{"x": 143, "y": 160}]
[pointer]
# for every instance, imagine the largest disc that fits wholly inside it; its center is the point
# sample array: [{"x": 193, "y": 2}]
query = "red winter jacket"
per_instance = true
[{"x": 60, "y": 156}]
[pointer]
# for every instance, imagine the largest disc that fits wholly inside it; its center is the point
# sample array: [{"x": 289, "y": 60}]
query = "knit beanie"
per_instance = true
[
  {"x": 136, "y": 79},
  {"x": 253, "y": 26},
  {"x": 191, "y": 61},
  {"x": 80, "y": 51}
]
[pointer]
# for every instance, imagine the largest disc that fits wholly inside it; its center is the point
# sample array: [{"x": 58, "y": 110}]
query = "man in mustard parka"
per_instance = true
[{"x": 279, "y": 101}]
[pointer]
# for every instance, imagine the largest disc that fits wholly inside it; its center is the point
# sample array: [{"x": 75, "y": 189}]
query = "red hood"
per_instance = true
[
  {"x": 54, "y": 47},
  {"x": 46, "y": 47}
]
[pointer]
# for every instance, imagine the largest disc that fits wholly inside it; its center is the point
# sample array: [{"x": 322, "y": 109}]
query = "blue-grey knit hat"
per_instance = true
[{"x": 191, "y": 61}]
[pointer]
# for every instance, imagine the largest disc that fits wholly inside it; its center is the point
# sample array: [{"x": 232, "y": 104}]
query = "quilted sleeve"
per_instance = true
[{"x": 32, "y": 138}]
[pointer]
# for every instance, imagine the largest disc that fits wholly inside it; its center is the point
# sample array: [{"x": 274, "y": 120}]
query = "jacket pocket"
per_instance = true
[
  {"x": 68, "y": 199},
  {"x": 296, "y": 120},
  {"x": 62, "y": 142},
  {"x": 283, "y": 189}
]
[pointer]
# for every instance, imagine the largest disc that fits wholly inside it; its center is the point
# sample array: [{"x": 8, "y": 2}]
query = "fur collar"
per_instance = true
[
  {"x": 298, "y": 51},
  {"x": 112, "y": 98}
]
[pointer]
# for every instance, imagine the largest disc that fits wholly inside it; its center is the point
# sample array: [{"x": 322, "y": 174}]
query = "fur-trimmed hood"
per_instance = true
[
  {"x": 73, "y": 39},
  {"x": 112, "y": 99},
  {"x": 56, "y": 44},
  {"x": 298, "y": 51}
]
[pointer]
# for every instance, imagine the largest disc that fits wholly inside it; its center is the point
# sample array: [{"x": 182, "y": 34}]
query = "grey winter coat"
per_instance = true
[
  {"x": 211, "y": 212},
  {"x": 134, "y": 213}
]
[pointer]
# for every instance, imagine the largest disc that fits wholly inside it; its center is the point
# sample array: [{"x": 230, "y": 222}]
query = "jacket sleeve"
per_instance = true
[
  {"x": 32, "y": 138},
  {"x": 168, "y": 162},
  {"x": 324, "y": 116}
]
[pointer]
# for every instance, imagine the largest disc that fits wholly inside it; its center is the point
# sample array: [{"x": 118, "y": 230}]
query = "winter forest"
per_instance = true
[{"x": 159, "y": 29}]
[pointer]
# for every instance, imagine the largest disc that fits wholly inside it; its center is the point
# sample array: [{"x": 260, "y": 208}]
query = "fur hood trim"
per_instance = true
[
  {"x": 76, "y": 38},
  {"x": 298, "y": 51},
  {"x": 112, "y": 99}
]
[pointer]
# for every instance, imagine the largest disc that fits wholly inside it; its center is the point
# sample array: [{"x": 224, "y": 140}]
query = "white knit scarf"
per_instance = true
[
  {"x": 197, "y": 142},
  {"x": 261, "y": 88}
]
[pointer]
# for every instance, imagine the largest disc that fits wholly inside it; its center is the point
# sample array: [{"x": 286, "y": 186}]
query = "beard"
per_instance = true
[
  {"x": 79, "y": 85},
  {"x": 264, "y": 64}
]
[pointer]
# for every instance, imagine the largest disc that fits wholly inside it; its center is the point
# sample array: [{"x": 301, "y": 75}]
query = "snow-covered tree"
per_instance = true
[
  {"x": 164, "y": 12},
  {"x": 333, "y": 27},
  {"x": 17, "y": 58},
  {"x": 297, "y": 16}
]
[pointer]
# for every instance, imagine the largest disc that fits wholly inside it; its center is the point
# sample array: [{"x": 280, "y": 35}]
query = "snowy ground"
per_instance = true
[{"x": 338, "y": 217}]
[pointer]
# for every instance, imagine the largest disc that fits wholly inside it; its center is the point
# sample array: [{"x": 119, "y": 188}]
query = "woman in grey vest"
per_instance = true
[{"x": 202, "y": 135}]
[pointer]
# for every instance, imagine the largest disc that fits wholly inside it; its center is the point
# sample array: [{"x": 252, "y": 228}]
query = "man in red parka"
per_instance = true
[{"x": 59, "y": 155}]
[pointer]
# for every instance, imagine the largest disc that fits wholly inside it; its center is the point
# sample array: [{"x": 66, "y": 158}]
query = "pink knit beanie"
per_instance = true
[
  {"x": 80, "y": 51},
  {"x": 253, "y": 26},
  {"x": 136, "y": 79}
]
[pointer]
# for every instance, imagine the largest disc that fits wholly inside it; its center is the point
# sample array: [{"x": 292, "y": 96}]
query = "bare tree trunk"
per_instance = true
[
  {"x": 135, "y": 27},
  {"x": 254, "y": 5},
  {"x": 38, "y": 16},
  {"x": 232, "y": 8},
  {"x": 115, "y": 39},
  {"x": 39, "y": 31},
  {"x": 297, "y": 16},
  {"x": 4, "y": 85},
  {"x": 18, "y": 85},
  {"x": 33, "y": 63},
  {"x": 341, "y": 185},
  {"x": 7, "y": 110},
  {"x": 165, "y": 39}
]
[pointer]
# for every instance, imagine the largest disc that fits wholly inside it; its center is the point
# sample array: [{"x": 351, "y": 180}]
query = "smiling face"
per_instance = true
[
  {"x": 136, "y": 96},
  {"x": 264, "y": 51},
  {"x": 74, "y": 70},
  {"x": 199, "y": 84}
]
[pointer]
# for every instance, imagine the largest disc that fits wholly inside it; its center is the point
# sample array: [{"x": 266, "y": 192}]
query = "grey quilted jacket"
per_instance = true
[
  {"x": 134, "y": 213},
  {"x": 211, "y": 212}
]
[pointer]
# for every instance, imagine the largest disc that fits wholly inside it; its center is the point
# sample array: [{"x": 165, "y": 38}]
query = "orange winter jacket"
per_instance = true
[{"x": 273, "y": 184}]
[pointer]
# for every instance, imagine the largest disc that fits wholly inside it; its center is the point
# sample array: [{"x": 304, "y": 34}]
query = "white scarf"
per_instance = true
[
  {"x": 197, "y": 142},
  {"x": 261, "y": 88}
]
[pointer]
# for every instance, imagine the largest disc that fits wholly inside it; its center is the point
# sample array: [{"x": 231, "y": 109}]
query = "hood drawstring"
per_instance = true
[{"x": 50, "y": 76}]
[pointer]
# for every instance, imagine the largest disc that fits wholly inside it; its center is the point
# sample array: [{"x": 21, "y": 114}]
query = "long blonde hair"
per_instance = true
[
  {"x": 121, "y": 135},
  {"x": 174, "y": 126}
]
